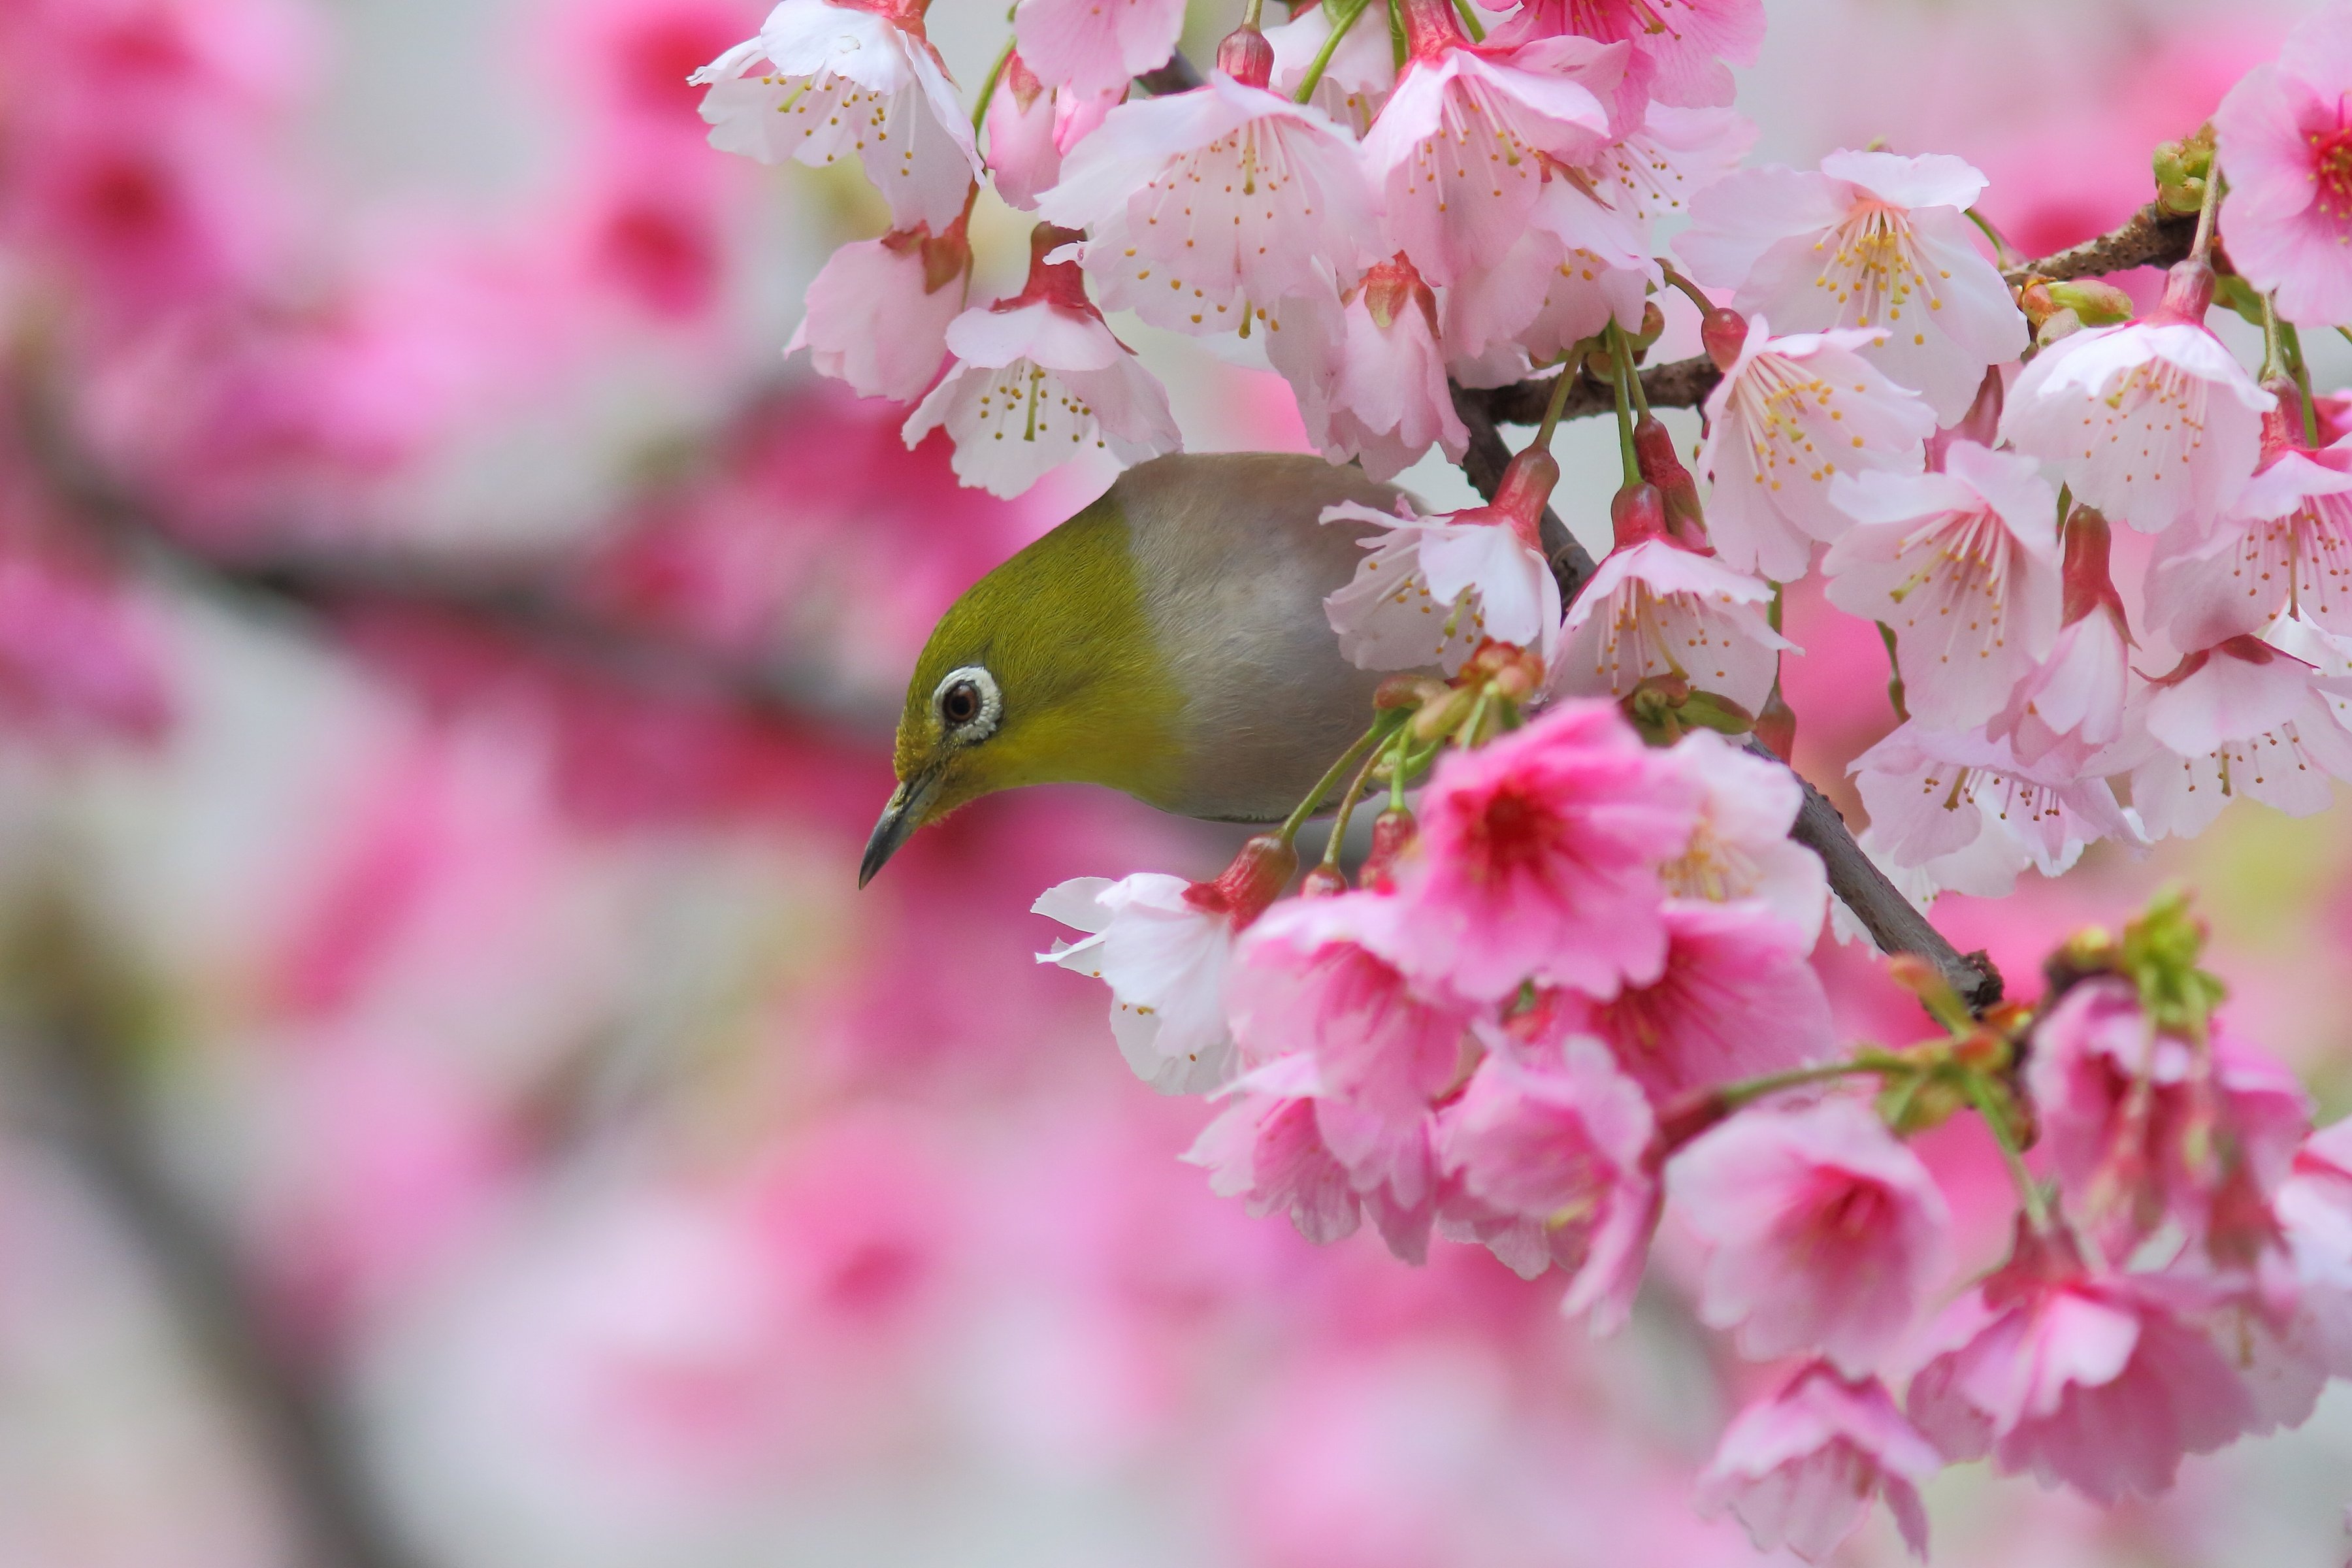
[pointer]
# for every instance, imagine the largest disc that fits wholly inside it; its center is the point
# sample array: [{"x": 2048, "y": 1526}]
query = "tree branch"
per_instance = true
[{"x": 2150, "y": 237}]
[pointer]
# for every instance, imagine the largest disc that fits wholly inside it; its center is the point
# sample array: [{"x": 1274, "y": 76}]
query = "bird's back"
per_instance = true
[{"x": 1233, "y": 564}]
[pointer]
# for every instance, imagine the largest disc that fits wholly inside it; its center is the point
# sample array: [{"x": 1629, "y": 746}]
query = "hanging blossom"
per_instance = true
[
  {"x": 1791, "y": 416},
  {"x": 1039, "y": 380},
  {"x": 1963, "y": 566},
  {"x": 1655, "y": 171},
  {"x": 1874, "y": 241},
  {"x": 2089, "y": 1379},
  {"x": 2282, "y": 136},
  {"x": 1823, "y": 1232},
  {"x": 1267, "y": 1149},
  {"x": 2285, "y": 548},
  {"x": 1654, "y": 606},
  {"x": 823, "y": 79},
  {"x": 1682, "y": 49},
  {"x": 1964, "y": 810},
  {"x": 1457, "y": 155},
  {"x": 1163, "y": 945},
  {"x": 1031, "y": 127},
  {"x": 1209, "y": 210},
  {"x": 1739, "y": 849},
  {"x": 1538, "y": 858},
  {"x": 2069, "y": 707},
  {"x": 1431, "y": 589},
  {"x": 1575, "y": 268},
  {"x": 1095, "y": 46},
  {"x": 1371, "y": 384},
  {"x": 1798, "y": 1468},
  {"x": 1357, "y": 78},
  {"x": 1550, "y": 1161},
  {"x": 2152, "y": 422},
  {"x": 2238, "y": 717},
  {"x": 878, "y": 311}
]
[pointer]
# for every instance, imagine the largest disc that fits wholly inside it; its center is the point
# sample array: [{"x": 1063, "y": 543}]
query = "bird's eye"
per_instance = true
[
  {"x": 961, "y": 704},
  {"x": 967, "y": 704}
]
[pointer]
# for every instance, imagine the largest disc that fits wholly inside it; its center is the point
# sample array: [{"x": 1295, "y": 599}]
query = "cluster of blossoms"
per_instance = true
[{"x": 1574, "y": 985}]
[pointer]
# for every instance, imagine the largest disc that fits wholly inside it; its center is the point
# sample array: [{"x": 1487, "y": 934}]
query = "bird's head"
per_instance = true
[{"x": 1045, "y": 671}]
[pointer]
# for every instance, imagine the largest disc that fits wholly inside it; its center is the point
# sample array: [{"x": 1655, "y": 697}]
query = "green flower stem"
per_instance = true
[
  {"x": 1894, "y": 674},
  {"x": 1553, "y": 409},
  {"x": 2202, "y": 248},
  {"x": 1339, "y": 25},
  {"x": 1623, "y": 357},
  {"x": 1364, "y": 745},
  {"x": 1747, "y": 1091},
  {"x": 1470, "y": 20},
  {"x": 1692, "y": 291},
  {"x": 1996, "y": 1119},
  {"x": 988, "y": 86},
  {"x": 1348, "y": 805},
  {"x": 2001, "y": 249},
  {"x": 2290, "y": 345}
]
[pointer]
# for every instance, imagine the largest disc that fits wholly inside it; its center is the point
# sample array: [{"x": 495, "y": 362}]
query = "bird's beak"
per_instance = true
[{"x": 909, "y": 805}]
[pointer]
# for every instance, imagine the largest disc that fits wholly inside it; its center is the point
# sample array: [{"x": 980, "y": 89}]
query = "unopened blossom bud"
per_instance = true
[
  {"x": 1406, "y": 692},
  {"x": 1393, "y": 832},
  {"x": 1246, "y": 57},
  {"x": 1775, "y": 725},
  {"x": 1443, "y": 716},
  {"x": 1323, "y": 882},
  {"x": 1723, "y": 333},
  {"x": 1653, "y": 448},
  {"x": 2099, "y": 304},
  {"x": 2181, "y": 169},
  {"x": 1244, "y": 891}
]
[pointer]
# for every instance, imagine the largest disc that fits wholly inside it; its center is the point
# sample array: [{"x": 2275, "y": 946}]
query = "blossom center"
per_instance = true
[{"x": 2331, "y": 172}]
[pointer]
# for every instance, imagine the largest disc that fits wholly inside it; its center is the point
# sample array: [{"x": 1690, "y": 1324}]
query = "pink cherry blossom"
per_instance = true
[
  {"x": 2069, "y": 707},
  {"x": 1963, "y": 565},
  {"x": 2283, "y": 139},
  {"x": 1458, "y": 153},
  {"x": 824, "y": 80},
  {"x": 1734, "y": 998},
  {"x": 1798, "y": 1467},
  {"x": 1963, "y": 809},
  {"x": 1208, "y": 210},
  {"x": 1371, "y": 383},
  {"x": 2141, "y": 1131},
  {"x": 1656, "y": 607},
  {"x": 2240, "y": 717},
  {"x": 1359, "y": 75},
  {"x": 1095, "y": 46},
  {"x": 1575, "y": 268},
  {"x": 2085, "y": 1379},
  {"x": 1740, "y": 851},
  {"x": 2152, "y": 422},
  {"x": 1656, "y": 171},
  {"x": 2314, "y": 1206},
  {"x": 1874, "y": 241},
  {"x": 1550, "y": 1163},
  {"x": 2285, "y": 547},
  {"x": 1032, "y": 127},
  {"x": 1431, "y": 589},
  {"x": 1681, "y": 47},
  {"x": 1038, "y": 380},
  {"x": 79, "y": 657},
  {"x": 1792, "y": 415},
  {"x": 878, "y": 311},
  {"x": 1538, "y": 858},
  {"x": 1824, "y": 1233}
]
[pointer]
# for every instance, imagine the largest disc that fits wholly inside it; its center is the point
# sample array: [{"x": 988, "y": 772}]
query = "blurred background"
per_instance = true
[{"x": 456, "y": 1110}]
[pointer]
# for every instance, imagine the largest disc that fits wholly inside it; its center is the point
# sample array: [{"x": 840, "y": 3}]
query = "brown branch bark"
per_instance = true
[{"x": 2150, "y": 237}]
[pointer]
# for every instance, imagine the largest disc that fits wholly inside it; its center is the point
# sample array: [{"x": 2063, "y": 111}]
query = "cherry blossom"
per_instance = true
[
  {"x": 1798, "y": 1467},
  {"x": 1575, "y": 268},
  {"x": 1963, "y": 566},
  {"x": 2314, "y": 1206},
  {"x": 1431, "y": 589},
  {"x": 1656, "y": 171},
  {"x": 824, "y": 80},
  {"x": 1268, "y": 1150},
  {"x": 2141, "y": 1131},
  {"x": 1550, "y": 1164},
  {"x": 1371, "y": 384},
  {"x": 1357, "y": 78},
  {"x": 1824, "y": 1233},
  {"x": 1094, "y": 46},
  {"x": 1208, "y": 210},
  {"x": 2152, "y": 422},
  {"x": 1458, "y": 153},
  {"x": 1734, "y": 998},
  {"x": 2238, "y": 717},
  {"x": 1682, "y": 48},
  {"x": 878, "y": 311},
  {"x": 1538, "y": 858},
  {"x": 1874, "y": 241},
  {"x": 2069, "y": 707},
  {"x": 1792, "y": 415},
  {"x": 1031, "y": 127},
  {"x": 1965, "y": 810},
  {"x": 1163, "y": 945},
  {"x": 2282, "y": 137},
  {"x": 2085, "y": 1379},
  {"x": 2285, "y": 547},
  {"x": 1653, "y": 608},
  {"x": 1038, "y": 380},
  {"x": 1740, "y": 850}
]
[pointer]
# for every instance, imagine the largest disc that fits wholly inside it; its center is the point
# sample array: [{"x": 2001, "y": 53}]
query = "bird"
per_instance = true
[{"x": 1169, "y": 640}]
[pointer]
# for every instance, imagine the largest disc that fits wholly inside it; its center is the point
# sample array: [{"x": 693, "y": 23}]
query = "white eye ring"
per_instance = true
[{"x": 981, "y": 724}]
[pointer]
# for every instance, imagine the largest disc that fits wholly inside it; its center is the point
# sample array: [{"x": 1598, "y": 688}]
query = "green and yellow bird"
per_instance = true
[{"x": 1168, "y": 641}]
